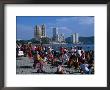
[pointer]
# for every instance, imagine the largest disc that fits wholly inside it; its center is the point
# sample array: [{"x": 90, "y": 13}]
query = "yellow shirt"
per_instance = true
[{"x": 39, "y": 58}]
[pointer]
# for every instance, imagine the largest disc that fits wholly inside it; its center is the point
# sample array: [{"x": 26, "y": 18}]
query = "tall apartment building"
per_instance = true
[
  {"x": 39, "y": 31},
  {"x": 75, "y": 38}
]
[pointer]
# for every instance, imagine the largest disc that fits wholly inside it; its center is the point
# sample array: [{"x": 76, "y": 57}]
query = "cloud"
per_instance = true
[
  {"x": 65, "y": 28},
  {"x": 86, "y": 20},
  {"x": 63, "y": 19},
  {"x": 79, "y": 20},
  {"x": 69, "y": 25},
  {"x": 84, "y": 25}
]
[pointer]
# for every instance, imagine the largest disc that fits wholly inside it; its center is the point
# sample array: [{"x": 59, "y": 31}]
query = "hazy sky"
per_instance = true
[{"x": 84, "y": 25}]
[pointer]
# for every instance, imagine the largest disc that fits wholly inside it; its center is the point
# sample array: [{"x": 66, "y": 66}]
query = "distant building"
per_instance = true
[
  {"x": 43, "y": 30},
  {"x": 75, "y": 38},
  {"x": 39, "y": 32},
  {"x": 61, "y": 38},
  {"x": 55, "y": 34},
  {"x": 57, "y": 37}
]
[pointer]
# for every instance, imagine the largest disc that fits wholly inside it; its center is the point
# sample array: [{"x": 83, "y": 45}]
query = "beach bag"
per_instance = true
[{"x": 20, "y": 53}]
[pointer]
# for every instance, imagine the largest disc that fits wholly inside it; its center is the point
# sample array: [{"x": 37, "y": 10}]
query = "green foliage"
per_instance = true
[
  {"x": 22, "y": 41},
  {"x": 45, "y": 40},
  {"x": 87, "y": 40},
  {"x": 33, "y": 40}
]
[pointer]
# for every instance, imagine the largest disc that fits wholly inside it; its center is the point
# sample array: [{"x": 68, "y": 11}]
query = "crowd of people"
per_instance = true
[{"x": 76, "y": 58}]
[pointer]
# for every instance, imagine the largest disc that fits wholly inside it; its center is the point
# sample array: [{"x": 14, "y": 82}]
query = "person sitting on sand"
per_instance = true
[
  {"x": 50, "y": 57},
  {"x": 35, "y": 60},
  {"x": 60, "y": 70},
  {"x": 65, "y": 58},
  {"x": 84, "y": 68},
  {"x": 40, "y": 63}
]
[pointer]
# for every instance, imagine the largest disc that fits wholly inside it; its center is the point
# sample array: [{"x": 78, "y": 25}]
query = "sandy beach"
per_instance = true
[{"x": 24, "y": 65}]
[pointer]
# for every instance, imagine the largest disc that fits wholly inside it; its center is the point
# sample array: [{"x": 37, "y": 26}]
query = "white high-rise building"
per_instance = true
[
  {"x": 39, "y": 32},
  {"x": 75, "y": 38}
]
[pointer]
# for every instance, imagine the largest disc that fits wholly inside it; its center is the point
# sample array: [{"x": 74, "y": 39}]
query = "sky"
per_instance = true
[{"x": 67, "y": 25}]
